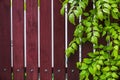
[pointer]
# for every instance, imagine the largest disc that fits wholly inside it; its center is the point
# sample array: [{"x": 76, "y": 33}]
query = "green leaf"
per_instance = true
[
  {"x": 79, "y": 9},
  {"x": 78, "y": 64},
  {"x": 114, "y": 5},
  {"x": 87, "y": 60},
  {"x": 86, "y": 14},
  {"x": 89, "y": 35},
  {"x": 74, "y": 46},
  {"x": 88, "y": 29},
  {"x": 82, "y": 4},
  {"x": 115, "y": 53},
  {"x": 116, "y": 42},
  {"x": 77, "y": 40},
  {"x": 72, "y": 18},
  {"x": 118, "y": 63},
  {"x": 114, "y": 75},
  {"x": 91, "y": 55},
  {"x": 76, "y": 12},
  {"x": 105, "y": 10},
  {"x": 115, "y": 10},
  {"x": 83, "y": 74},
  {"x": 96, "y": 33},
  {"x": 114, "y": 68},
  {"x": 115, "y": 15},
  {"x": 91, "y": 70},
  {"x": 106, "y": 5},
  {"x": 62, "y": 10},
  {"x": 94, "y": 40},
  {"x": 105, "y": 69},
  {"x": 84, "y": 66},
  {"x": 107, "y": 38},
  {"x": 71, "y": 1},
  {"x": 98, "y": 67},
  {"x": 100, "y": 62}
]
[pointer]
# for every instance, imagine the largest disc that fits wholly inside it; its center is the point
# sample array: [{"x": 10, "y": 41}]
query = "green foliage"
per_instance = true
[{"x": 99, "y": 22}]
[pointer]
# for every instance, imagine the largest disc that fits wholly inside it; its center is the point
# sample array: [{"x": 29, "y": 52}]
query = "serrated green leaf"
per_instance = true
[{"x": 72, "y": 18}]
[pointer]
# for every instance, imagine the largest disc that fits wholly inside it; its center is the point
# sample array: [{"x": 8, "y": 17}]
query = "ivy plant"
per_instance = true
[{"x": 101, "y": 21}]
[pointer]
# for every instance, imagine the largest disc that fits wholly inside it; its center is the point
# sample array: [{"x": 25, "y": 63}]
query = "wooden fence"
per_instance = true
[{"x": 33, "y": 46}]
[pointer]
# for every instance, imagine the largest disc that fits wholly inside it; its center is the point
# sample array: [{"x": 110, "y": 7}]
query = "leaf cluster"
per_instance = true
[{"x": 102, "y": 21}]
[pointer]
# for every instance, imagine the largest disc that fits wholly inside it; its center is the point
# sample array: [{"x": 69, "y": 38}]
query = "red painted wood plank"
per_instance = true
[
  {"x": 73, "y": 72},
  {"x": 18, "y": 41},
  {"x": 59, "y": 43},
  {"x": 32, "y": 39},
  {"x": 5, "y": 55},
  {"x": 45, "y": 40}
]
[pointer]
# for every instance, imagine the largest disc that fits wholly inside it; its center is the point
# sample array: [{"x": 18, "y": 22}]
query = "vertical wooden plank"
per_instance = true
[
  {"x": 32, "y": 39},
  {"x": 18, "y": 34},
  {"x": 59, "y": 43},
  {"x": 73, "y": 72},
  {"x": 5, "y": 55},
  {"x": 45, "y": 40}
]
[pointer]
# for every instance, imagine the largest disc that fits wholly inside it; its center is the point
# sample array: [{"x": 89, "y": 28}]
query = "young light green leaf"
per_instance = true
[
  {"x": 105, "y": 10},
  {"x": 83, "y": 74},
  {"x": 100, "y": 15},
  {"x": 115, "y": 15},
  {"x": 72, "y": 18},
  {"x": 115, "y": 10},
  {"x": 106, "y": 5},
  {"x": 87, "y": 60},
  {"x": 96, "y": 33},
  {"x": 114, "y": 75},
  {"x": 74, "y": 46},
  {"x": 94, "y": 40},
  {"x": 62, "y": 10},
  {"x": 76, "y": 12},
  {"x": 84, "y": 66}
]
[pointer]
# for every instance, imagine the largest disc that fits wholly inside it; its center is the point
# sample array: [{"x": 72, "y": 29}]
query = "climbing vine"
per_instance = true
[{"x": 100, "y": 21}]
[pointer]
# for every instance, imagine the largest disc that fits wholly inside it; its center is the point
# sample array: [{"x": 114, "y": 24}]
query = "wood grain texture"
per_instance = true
[
  {"x": 32, "y": 39},
  {"x": 5, "y": 55},
  {"x": 45, "y": 40},
  {"x": 59, "y": 43},
  {"x": 18, "y": 41}
]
